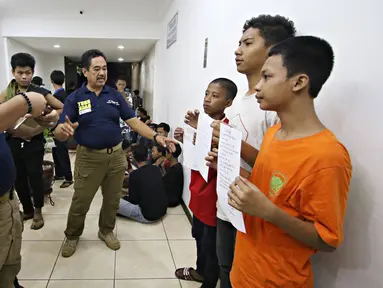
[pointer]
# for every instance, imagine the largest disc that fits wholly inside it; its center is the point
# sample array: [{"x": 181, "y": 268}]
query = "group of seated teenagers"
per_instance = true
[{"x": 154, "y": 179}]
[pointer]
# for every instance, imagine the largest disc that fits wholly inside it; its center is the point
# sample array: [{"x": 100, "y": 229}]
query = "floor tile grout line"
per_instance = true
[
  {"x": 54, "y": 265},
  {"x": 115, "y": 258},
  {"x": 171, "y": 252},
  {"x": 96, "y": 240}
]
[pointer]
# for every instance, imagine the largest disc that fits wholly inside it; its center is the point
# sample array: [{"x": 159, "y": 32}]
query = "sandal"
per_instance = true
[
  {"x": 66, "y": 184},
  {"x": 188, "y": 274},
  {"x": 38, "y": 222},
  {"x": 27, "y": 216}
]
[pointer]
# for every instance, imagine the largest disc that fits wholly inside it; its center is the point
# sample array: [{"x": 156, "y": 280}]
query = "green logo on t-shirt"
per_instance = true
[{"x": 277, "y": 183}]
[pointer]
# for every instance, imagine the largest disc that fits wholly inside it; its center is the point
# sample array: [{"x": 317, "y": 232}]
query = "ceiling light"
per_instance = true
[
  {"x": 56, "y": 46},
  {"x": 120, "y": 47},
  {"x": 121, "y": 59}
]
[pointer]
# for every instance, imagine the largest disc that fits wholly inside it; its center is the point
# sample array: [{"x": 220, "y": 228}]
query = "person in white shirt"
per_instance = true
[{"x": 259, "y": 35}]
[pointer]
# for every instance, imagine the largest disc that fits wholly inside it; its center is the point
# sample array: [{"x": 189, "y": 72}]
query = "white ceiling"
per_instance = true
[
  {"x": 144, "y": 10},
  {"x": 135, "y": 49}
]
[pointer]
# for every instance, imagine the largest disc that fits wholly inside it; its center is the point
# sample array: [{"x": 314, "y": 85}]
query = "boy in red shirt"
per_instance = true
[
  {"x": 203, "y": 199},
  {"x": 295, "y": 202}
]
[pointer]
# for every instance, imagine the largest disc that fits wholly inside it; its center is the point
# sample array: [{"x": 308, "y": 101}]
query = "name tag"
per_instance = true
[{"x": 84, "y": 107}]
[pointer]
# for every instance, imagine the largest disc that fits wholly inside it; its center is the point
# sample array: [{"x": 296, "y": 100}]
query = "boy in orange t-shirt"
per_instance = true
[{"x": 296, "y": 201}]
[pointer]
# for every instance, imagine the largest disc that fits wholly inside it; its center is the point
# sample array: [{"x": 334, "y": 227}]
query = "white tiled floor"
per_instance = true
[{"x": 148, "y": 256}]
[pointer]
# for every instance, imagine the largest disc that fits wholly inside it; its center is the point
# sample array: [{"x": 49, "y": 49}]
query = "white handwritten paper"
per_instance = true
[
  {"x": 203, "y": 143},
  {"x": 189, "y": 149},
  {"x": 229, "y": 163}
]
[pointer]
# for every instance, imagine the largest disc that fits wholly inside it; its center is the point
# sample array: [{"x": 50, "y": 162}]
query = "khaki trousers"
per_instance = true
[
  {"x": 95, "y": 168},
  {"x": 10, "y": 240}
]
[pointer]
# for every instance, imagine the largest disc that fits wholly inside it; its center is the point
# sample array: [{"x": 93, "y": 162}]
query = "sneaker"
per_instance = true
[
  {"x": 110, "y": 240},
  {"x": 69, "y": 247}
]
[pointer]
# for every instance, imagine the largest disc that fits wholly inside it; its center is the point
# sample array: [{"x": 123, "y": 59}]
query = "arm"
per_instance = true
[
  {"x": 320, "y": 199},
  {"x": 54, "y": 103},
  {"x": 11, "y": 111},
  {"x": 70, "y": 111},
  {"x": 303, "y": 231},
  {"x": 248, "y": 153},
  {"x": 141, "y": 128}
]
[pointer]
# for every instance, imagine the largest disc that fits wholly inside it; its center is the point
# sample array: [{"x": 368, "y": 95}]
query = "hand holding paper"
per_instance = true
[
  {"x": 229, "y": 160},
  {"x": 203, "y": 143},
  {"x": 246, "y": 197}
]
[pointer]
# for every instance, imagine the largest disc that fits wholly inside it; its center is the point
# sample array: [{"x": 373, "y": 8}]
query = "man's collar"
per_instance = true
[{"x": 106, "y": 88}]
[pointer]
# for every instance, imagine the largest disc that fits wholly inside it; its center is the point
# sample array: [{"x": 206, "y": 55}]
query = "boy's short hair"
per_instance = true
[
  {"x": 154, "y": 126},
  {"x": 38, "y": 81},
  {"x": 140, "y": 153},
  {"x": 165, "y": 126},
  {"x": 228, "y": 85},
  {"x": 310, "y": 55},
  {"x": 273, "y": 29},
  {"x": 177, "y": 152},
  {"x": 122, "y": 78},
  {"x": 161, "y": 149},
  {"x": 143, "y": 111},
  {"x": 23, "y": 60},
  {"x": 145, "y": 118},
  {"x": 57, "y": 77},
  {"x": 136, "y": 92}
]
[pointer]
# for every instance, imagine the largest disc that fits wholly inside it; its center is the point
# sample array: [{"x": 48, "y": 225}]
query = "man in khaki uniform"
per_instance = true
[
  {"x": 92, "y": 115},
  {"x": 10, "y": 222}
]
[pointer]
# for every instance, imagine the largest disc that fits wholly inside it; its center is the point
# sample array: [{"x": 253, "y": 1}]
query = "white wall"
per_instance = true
[
  {"x": 45, "y": 63},
  {"x": 350, "y": 103},
  {"x": 56, "y": 26},
  {"x": 147, "y": 73},
  {"x": 3, "y": 62}
]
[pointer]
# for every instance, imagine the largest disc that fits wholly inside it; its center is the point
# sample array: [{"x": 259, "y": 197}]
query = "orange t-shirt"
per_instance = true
[{"x": 309, "y": 178}]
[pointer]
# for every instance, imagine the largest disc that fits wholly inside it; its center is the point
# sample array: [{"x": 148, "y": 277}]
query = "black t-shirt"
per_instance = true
[
  {"x": 61, "y": 95},
  {"x": 147, "y": 190},
  {"x": 174, "y": 184},
  {"x": 44, "y": 92}
]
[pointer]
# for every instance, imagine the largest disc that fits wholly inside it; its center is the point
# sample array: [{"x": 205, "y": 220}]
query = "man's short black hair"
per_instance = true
[
  {"x": 87, "y": 57},
  {"x": 309, "y": 55},
  {"x": 161, "y": 149},
  {"x": 23, "y": 60},
  {"x": 177, "y": 152},
  {"x": 154, "y": 126},
  {"x": 228, "y": 85},
  {"x": 140, "y": 153},
  {"x": 165, "y": 126},
  {"x": 122, "y": 78},
  {"x": 58, "y": 77},
  {"x": 145, "y": 118},
  {"x": 136, "y": 92},
  {"x": 273, "y": 29},
  {"x": 143, "y": 111}
]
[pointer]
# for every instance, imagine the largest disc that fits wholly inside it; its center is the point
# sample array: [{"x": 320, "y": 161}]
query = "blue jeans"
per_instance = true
[{"x": 132, "y": 211}]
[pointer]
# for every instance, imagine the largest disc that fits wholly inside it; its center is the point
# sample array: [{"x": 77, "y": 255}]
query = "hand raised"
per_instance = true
[{"x": 191, "y": 118}]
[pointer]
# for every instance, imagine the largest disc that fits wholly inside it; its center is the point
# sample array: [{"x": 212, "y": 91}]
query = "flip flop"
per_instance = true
[
  {"x": 38, "y": 222},
  {"x": 66, "y": 184},
  {"x": 187, "y": 274}
]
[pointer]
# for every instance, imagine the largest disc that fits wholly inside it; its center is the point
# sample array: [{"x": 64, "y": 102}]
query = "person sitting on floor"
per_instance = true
[
  {"x": 146, "y": 201},
  {"x": 174, "y": 178},
  {"x": 158, "y": 158}
]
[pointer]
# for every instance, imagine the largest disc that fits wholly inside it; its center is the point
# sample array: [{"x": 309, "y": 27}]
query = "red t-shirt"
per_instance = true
[{"x": 203, "y": 195}]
